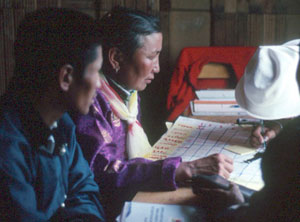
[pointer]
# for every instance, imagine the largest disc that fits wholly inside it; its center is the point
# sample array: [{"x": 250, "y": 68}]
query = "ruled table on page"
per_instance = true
[{"x": 193, "y": 139}]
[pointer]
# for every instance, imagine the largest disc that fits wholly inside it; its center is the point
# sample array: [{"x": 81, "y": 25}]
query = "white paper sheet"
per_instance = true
[
  {"x": 192, "y": 139},
  {"x": 150, "y": 212}
]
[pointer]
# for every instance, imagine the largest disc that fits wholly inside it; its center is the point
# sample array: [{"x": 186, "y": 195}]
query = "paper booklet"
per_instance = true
[
  {"x": 216, "y": 108},
  {"x": 216, "y": 102},
  {"x": 215, "y": 94},
  {"x": 151, "y": 212}
]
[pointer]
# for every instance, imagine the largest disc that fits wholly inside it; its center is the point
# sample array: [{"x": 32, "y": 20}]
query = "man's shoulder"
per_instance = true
[
  {"x": 12, "y": 139},
  {"x": 10, "y": 124}
]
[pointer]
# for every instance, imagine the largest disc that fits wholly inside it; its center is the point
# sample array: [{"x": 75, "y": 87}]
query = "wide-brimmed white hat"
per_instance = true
[{"x": 269, "y": 88}]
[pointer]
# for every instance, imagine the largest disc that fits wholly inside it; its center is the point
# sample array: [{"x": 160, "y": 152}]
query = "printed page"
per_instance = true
[
  {"x": 150, "y": 212},
  {"x": 193, "y": 139}
]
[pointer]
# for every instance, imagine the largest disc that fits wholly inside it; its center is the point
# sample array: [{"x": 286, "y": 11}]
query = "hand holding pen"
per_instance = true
[
  {"x": 264, "y": 138},
  {"x": 261, "y": 133}
]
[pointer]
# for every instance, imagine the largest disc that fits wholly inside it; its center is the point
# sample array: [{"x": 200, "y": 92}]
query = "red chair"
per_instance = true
[{"x": 188, "y": 75}]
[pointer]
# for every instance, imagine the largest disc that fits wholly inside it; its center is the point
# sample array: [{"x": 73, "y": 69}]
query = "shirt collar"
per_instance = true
[{"x": 123, "y": 93}]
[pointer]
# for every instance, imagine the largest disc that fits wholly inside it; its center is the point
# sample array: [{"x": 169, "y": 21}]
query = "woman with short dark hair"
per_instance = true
[{"x": 111, "y": 135}]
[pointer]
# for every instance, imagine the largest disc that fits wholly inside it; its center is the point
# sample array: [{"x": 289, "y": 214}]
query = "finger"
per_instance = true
[
  {"x": 256, "y": 131},
  {"x": 270, "y": 134},
  {"x": 228, "y": 159},
  {"x": 224, "y": 173},
  {"x": 228, "y": 167},
  {"x": 254, "y": 142},
  {"x": 256, "y": 137}
]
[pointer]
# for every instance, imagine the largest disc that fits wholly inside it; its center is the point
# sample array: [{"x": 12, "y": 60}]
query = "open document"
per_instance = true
[
  {"x": 151, "y": 212},
  {"x": 192, "y": 139}
]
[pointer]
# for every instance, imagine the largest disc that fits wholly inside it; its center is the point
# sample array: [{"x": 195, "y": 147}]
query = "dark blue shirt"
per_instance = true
[{"x": 41, "y": 181}]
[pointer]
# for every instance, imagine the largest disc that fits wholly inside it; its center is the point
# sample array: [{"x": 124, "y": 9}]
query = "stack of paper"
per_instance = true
[
  {"x": 136, "y": 211},
  {"x": 215, "y": 94},
  {"x": 216, "y": 102}
]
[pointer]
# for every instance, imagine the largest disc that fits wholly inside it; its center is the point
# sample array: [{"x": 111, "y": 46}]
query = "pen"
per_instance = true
[
  {"x": 241, "y": 121},
  {"x": 262, "y": 133}
]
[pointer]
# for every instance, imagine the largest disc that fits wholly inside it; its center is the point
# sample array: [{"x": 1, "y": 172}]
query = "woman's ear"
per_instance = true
[
  {"x": 66, "y": 77},
  {"x": 115, "y": 57}
]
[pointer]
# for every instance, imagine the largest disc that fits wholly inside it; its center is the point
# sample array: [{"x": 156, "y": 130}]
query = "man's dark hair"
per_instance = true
[
  {"x": 48, "y": 39},
  {"x": 123, "y": 28}
]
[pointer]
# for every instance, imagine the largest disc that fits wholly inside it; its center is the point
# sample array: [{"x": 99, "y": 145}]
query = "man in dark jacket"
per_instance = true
[{"x": 43, "y": 175}]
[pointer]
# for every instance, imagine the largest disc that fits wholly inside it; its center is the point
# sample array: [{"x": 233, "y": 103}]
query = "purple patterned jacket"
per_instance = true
[{"x": 102, "y": 137}]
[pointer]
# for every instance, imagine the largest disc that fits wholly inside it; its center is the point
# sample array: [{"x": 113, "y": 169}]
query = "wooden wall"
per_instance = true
[{"x": 184, "y": 23}]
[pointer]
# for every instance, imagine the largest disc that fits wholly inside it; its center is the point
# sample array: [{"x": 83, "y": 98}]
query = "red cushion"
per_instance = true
[{"x": 184, "y": 80}]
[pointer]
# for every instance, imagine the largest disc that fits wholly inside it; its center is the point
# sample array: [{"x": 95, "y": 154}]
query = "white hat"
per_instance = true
[{"x": 269, "y": 88}]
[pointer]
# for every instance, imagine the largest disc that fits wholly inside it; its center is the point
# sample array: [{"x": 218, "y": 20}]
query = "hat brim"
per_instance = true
[{"x": 289, "y": 109}]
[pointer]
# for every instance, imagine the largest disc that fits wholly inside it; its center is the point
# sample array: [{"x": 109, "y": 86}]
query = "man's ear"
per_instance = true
[
  {"x": 115, "y": 57},
  {"x": 66, "y": 77}
]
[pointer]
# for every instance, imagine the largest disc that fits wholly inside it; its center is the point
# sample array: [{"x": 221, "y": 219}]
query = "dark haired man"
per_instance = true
[{"x": 43, "y": 175}]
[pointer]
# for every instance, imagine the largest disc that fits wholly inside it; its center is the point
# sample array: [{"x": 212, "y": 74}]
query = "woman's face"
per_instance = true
[{"x": 138, "y": 71}]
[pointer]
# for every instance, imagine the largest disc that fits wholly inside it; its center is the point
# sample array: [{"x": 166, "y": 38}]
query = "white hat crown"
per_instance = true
[{"x": 269, "y": 88}]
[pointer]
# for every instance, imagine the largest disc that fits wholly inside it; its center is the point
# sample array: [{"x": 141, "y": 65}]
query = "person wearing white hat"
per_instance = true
[{"x": 269, "y": 89}]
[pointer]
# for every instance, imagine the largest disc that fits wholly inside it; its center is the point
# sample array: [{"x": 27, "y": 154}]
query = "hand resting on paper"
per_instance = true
[{"x": 213, "y": 164}]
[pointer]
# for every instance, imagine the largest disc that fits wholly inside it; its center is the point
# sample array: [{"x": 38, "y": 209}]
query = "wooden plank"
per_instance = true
[
  {"x": 76, "y": 4},
  {"x": 241, "y": 27},
  {"x": 9, "y": 35},
  {"x": 53, "y": 3},
  {"x": 269, "y": 29},
  {"x": 2, "y": 55},
  {"x": 281, "y": 28},
  {"x": 165, "y": 5},
  {"x": 105, "y": 5},
  {"x": 30, "y": 5},
  {"x": 217, "y": 34},
  {"x": 255, "y": 30},
  {"x": 292, "y": 7},
  {"x": 153, "y": 6},
  {"x": 164, "y": 56},
  {"x": 218, "y": 6},
  {"x": 17, "y": 4},
  {"x": 102, "y": 13},
  {"x": 117, "y": 3},
  {"x": 130, "y": 3},
  {"x": 203, "y": 5},
  {"x": 268, "y": 6},
  {"x": 7, "y": 4},
  {"x": 90, "y": 12},
  {"x": 242, "y": 6},
  {"x": 256, "y": 7},
  {"x": 19, "y": 14},
  {"x": 142, "y": 5},
  {"x": 230, "y": 6},
  {"x": 272, "y": 6},
  {"x": 230, "y": 29},
  {"x": 292, "y": 27}
]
